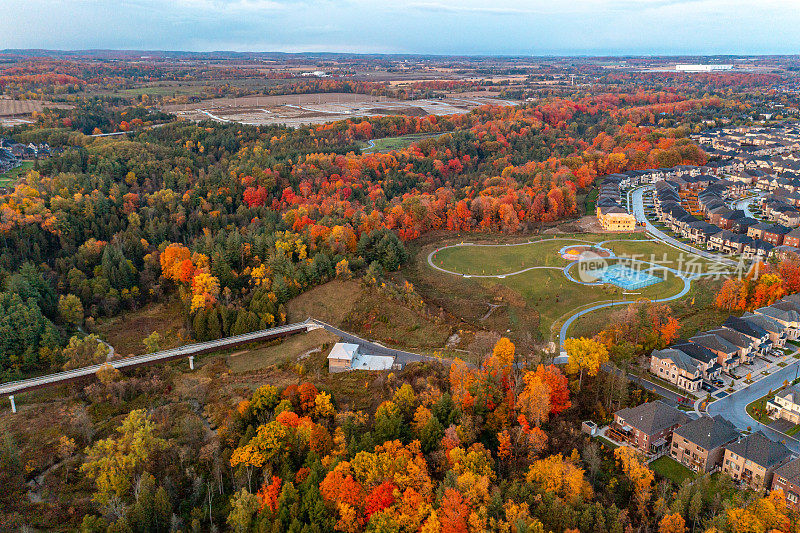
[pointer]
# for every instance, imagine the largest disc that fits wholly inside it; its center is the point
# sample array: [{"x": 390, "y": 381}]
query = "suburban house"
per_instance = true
[
  {"x": 777, "y": 333},
  {"x": 759, "y": 337},
  {"x": 757, "y": 248},
  {"x": 686, "y": 365},
  {"x": 789, "y": 318},
  {"x": 786, "y": 405},
  {"x": 787, "y": 480},
  {"x": 746, "y": 347},
  {"x": 647, "y": 427},
  {"x": 774, "y": 235},
  {"x": 753, "y": 459},
  {"x": 756, "y": 231},
  {"x": 727, "y": 353},
  {"x": 792, "y": 238},
  {"x": 728, "y": 242},
  {"x": 676, "y": 367},
  {"x": 700, "y": 444}
]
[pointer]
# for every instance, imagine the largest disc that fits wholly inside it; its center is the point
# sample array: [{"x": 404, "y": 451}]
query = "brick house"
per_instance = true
[
  {"x": 752, "y": 460},
  {"x": 700, "y": 444},
  {"x": 647, "y": 427},
  {"x": 787, "y": 480}
]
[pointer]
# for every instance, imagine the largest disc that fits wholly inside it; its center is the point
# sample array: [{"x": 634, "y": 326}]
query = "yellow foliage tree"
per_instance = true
[
  {"x": 585, "y": 355},
  {"x": 636, "y": 470},
  {"x": 560, "y": 476}
]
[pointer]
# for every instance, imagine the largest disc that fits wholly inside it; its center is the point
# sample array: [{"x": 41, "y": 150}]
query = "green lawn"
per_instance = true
[
  {"x": 387, "y": 144},
  {"x": 548, "y": 291},
  {"x": 669, "y": 468},
  {"x": 11, "y": 176},
  {"x": 758, "y": 410}
]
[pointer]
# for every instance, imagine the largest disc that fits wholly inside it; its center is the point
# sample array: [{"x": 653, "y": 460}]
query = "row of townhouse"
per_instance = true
[
  {"x": 738, "y": 341},
  {"x": 689, "y": 364},
  {"x": 788, "y": 182},
  {"x": 778, "y": 209},
  {"x": 726, "y": 230},
  {"x": 709, "y": 444}
]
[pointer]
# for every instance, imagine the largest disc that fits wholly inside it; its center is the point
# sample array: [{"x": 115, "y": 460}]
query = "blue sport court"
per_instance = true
[{"x": 626, "y": 277}]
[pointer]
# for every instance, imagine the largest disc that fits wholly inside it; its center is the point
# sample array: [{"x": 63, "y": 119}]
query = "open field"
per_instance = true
[
  {"x": 526, "y": 290},
  {"x": 387, "y": 144},
  {"x": 306, "y": 109},
  {"x": 12, "y": 108},
  {"x": 7, "y": 178},
  {"x": 125, "y": 332}
]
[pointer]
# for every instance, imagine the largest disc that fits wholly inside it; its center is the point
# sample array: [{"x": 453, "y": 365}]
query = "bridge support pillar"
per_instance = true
[
  {"x": 191, "y": 362},
  {"x": 13, "y": 405}
]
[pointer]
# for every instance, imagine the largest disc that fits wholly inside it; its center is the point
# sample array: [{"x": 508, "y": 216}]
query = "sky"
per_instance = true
[{"x": 469, "y": 27}]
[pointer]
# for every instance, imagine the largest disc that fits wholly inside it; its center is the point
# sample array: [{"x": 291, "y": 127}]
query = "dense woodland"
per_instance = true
[{"x": 238, "y": 220}]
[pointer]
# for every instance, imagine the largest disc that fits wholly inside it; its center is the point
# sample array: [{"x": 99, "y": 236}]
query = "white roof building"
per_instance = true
[{"x": 345, "y": 356}]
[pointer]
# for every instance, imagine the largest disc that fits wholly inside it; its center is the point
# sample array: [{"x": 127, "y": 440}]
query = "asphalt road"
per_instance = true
[
  {"x": 636, "y": 198},
  {"x": 733, "y": 406}
]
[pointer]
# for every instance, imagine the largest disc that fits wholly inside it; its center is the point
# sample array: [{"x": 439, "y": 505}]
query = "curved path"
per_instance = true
[{"x": 501, "y": 276}]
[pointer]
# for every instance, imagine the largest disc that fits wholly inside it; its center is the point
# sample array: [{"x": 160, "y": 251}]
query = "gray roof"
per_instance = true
[
  {"x": 733, "y": 337},
  {"x": 760, "y": 449},
  {"x": 790, "y": 471},
  {"x": 792, "y": 394},
  {"x": 715, "y": 342},
  {"x": 652, "y": 417},
  {"x": 679, "y": 357},
  {"x": 764, "y": 322},
  {"x": 708, "y": 433}
]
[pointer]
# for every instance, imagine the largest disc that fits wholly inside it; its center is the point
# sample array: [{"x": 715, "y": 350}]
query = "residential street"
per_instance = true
[
  {"x": 636, "y": 200},
  {"x": 733, "y": 406}
]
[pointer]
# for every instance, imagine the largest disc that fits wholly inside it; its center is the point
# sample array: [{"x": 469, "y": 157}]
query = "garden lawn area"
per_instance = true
[
  {"x": 7, "y": 178},
  {"x": 758, "y": 408},
  {"x": 794, "y": 430},
  {"x": 669, "y": 468}
]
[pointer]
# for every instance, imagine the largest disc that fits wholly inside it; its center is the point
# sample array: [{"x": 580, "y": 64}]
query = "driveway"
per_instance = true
[{"x": 733, "y": 407}]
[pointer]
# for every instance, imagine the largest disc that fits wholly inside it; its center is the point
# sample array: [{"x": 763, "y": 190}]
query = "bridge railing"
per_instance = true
[{"x": 173, "y": 353}]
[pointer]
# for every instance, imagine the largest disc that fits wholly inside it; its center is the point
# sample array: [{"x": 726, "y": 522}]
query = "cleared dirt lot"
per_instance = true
[
  {"x": 16, "y": 108},
  {"x": 306, "y": 109}
]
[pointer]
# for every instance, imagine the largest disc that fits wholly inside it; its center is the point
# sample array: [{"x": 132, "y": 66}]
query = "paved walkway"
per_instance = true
[{"x": 164, "y": 355}]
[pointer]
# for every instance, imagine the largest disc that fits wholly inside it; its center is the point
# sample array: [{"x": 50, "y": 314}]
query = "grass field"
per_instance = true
[
  {"x": 669, "y": 468},
  {"x": 7, "y": 178},
  {"x": 387, "y": 144},
  {"x": 548, "y": 291}
]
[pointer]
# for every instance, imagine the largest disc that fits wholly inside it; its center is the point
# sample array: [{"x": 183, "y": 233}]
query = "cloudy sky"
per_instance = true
[{"x": 530, "y": 27}]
